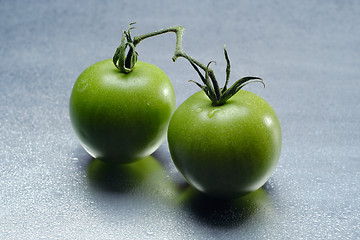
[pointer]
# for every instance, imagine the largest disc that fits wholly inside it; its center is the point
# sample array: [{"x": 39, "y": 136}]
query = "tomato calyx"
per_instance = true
[
  {"x": 217, "y": 95},
  {"x": 126, "y": 62}
]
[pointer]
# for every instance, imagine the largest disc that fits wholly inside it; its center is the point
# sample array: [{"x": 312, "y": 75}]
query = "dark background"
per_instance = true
[{"x": 308, "y": 53}]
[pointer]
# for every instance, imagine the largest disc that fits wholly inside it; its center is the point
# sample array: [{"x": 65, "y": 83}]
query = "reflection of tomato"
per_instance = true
[
  {"x": 145, "y": 178},
  {"x": 121, "y": 117},
  {"x": 227, "y": 150}
]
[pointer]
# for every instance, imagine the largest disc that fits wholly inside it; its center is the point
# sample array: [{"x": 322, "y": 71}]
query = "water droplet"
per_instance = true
[
  {"x": 212, "y": 112},
  {"x": 198, "y": 110}
]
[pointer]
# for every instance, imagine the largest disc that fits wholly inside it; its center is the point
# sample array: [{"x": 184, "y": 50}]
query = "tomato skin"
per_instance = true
[
  {"x": 225, "y": 151},
  {"x": 121, "y": 117}
]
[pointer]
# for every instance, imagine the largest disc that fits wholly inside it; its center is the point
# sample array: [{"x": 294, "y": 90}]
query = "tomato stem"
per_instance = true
[
  {"x": 178, "y": 30},
  {"x": 126, "y": 62}
]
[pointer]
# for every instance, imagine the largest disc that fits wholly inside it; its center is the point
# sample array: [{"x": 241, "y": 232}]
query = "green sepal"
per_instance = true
[{"x": 125, "y": 62}]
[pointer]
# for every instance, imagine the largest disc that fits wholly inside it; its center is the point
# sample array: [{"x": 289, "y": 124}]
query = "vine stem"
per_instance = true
[
  {"x": 179, "y": 52},
  {"x": 217, "y": 95},
  {"x": 177, "y": 30}
]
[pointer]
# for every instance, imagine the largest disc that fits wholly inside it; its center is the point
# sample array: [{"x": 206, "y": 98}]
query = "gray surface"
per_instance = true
[{"x": 308, "y": 54}]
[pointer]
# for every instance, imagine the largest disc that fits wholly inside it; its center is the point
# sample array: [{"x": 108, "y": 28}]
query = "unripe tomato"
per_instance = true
[
  {"x": 121, "y": 117},
  {"x": 228, "y": 150}
]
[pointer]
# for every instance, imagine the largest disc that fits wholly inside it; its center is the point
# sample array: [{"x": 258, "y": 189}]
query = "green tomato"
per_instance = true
[
  {"x": 228, "y": 150},
  {"x": 121, "y": 117}
]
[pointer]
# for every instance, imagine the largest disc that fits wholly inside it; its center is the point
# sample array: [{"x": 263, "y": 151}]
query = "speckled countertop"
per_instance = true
[{"x": 308, "y": 52}]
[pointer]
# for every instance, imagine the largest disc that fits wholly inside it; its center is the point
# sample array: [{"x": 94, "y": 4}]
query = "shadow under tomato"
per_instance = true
[
  {"x": 223, "y": 212},
  {"x": 121, "y": 177}
]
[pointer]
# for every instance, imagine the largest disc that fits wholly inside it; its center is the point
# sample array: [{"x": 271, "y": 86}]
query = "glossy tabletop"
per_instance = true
[{"x": 307, "y": 52}]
